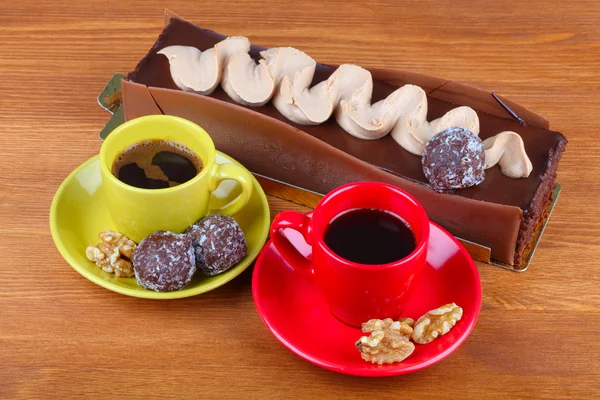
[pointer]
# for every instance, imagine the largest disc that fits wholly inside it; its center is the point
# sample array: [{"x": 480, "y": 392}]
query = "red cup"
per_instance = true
[{"x": 356, "y": 293}]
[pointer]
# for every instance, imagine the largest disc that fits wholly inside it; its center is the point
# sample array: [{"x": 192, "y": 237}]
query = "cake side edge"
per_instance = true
[{"x": 537, "y": 212}]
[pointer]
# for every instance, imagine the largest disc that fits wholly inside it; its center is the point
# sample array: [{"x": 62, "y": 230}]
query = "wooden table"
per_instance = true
[{"x": 62, "y": 336}]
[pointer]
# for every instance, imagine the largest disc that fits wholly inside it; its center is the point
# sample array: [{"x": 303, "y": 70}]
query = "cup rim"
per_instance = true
[
  {"x": 419, "y": 247},
  {"x": 173, "y": 119}
]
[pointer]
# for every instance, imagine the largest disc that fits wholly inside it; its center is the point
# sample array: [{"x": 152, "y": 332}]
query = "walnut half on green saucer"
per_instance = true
[{"x": 113, "y": 254}]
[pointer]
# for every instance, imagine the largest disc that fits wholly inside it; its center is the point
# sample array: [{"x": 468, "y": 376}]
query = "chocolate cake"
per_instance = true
[{"x": 502, "y": 213}]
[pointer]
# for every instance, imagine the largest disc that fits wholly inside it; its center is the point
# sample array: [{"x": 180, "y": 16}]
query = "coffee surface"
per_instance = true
[
  {"x": 370, "y": 236},
  {"x": 156, "y": 164}
]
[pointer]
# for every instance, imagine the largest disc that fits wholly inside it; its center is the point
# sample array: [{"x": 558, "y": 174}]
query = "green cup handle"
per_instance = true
[{"x": 222, "y": 172}]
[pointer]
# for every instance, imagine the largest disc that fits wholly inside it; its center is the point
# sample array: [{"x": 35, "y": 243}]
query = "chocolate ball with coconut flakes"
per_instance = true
[
  {"x": 219, "y": 244},
  {"x": 164, "y": 261},
  {"x": 454, "y": 159}
]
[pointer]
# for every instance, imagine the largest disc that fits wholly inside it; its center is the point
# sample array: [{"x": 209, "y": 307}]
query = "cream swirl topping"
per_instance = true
[{"x": 284, "y": 75}]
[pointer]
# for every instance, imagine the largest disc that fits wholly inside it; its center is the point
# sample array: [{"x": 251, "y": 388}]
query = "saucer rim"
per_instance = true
[
  {"x": 149, "y": 294},
  {"x": 369, "y": 370}
]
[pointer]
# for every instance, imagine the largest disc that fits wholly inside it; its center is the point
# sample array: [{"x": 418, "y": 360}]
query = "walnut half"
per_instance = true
[
  {"x": 436, "y": 323},
  {"x": 113, "y": 254},
  {"x": 388, "y": 343}
]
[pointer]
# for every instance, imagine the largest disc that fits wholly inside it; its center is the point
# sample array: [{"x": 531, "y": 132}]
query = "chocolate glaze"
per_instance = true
[
  {"x": 384, "y": 153},
  {"x": 490, "y": 214}
]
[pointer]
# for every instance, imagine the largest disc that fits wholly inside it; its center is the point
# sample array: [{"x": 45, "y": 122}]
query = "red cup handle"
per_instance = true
[{"x": 298, "y": 222}]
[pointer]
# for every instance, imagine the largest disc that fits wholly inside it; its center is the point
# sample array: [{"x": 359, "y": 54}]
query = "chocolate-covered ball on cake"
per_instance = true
[
  {"x": 219, "y": 243},
  {"x": 164, "y": 261},
  {"x": 454, "y": 159}
]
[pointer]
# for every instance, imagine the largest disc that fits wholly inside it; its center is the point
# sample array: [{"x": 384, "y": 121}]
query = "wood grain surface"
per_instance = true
[{"x": 61, "y": 336}]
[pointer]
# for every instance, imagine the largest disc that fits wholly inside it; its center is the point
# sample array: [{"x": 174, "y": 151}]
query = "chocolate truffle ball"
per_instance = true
[
  {"x": 164, "y": 261},
  {"x": 218, "y": 242},
  {"x": 454, "y": 159}
]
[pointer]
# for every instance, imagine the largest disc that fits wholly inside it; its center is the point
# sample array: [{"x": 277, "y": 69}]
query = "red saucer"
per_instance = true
[{"x": 294, "y": 311}]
